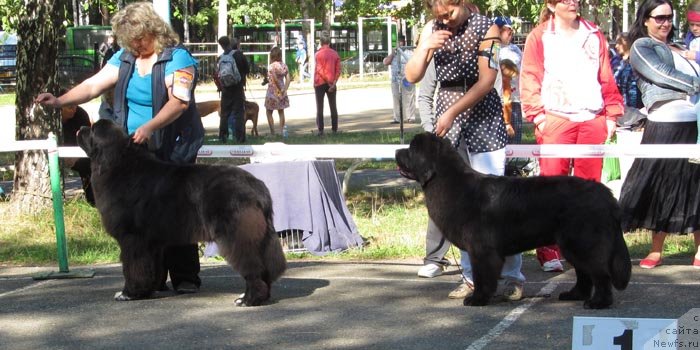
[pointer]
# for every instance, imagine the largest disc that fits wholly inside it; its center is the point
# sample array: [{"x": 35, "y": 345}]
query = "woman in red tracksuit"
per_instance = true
[{"x": 568, "y": 91}]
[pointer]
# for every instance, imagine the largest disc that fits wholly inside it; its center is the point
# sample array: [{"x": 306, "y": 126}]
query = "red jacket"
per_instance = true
[
  {"x": 327, "y": 66},
  {"x": 533, "y": 70}
]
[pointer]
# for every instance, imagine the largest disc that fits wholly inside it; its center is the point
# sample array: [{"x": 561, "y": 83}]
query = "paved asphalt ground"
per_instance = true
[{"x": 320, "y": 304}]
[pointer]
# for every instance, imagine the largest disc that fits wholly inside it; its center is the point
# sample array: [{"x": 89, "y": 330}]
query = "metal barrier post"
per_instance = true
[
  {"x": 57, "y": 196},
  {"x": 54, "y": 174}
]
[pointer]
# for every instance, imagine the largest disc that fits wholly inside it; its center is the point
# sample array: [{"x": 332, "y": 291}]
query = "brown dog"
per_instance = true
[{"x": 251, "y": 112}]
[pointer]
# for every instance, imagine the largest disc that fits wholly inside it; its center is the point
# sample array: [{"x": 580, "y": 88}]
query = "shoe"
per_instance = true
[
  {"x": 513, "y": 291},
  {"x": 696, "y": 263},
  {"x": 650, "y": 264},
  {"x": 394, "y": 122},
  {"x": 553, "y": 266},
  {"x": 462, "y": 291},
  {"x": 186, "y": 288},
  {"x": 430, "y": 270}
]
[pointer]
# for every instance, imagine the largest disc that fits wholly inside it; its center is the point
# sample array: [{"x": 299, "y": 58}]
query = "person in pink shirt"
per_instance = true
[
  {"x": 568, "y": 91},
  {"x": 326, "y": 76}
]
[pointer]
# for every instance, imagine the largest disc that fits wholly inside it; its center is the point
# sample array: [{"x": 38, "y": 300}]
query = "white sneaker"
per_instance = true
[
  {"x": 553, "y": 265},
  {"x": 430, "y": 270}
]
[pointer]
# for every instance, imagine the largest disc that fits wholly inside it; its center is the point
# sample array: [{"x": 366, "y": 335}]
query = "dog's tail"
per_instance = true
[{"x": 620, "y": 263}]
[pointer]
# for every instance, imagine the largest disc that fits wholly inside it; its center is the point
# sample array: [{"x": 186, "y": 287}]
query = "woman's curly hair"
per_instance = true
[{"x": 139, "y": 19}]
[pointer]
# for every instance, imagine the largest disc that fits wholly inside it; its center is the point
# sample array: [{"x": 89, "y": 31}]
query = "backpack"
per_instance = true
[{"x": 227, "y": 71}]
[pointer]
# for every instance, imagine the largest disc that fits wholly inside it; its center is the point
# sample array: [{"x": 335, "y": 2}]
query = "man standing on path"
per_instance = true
[
  {"x": 233, "y": 97},
  {"x": 300, "y": 58},
  {"x": 326, "y": 76},
  {"x": 404, "y": 92}
]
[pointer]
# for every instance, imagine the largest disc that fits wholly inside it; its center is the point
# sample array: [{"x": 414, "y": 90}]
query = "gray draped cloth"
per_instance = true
[{"x": 307, "y": 196}]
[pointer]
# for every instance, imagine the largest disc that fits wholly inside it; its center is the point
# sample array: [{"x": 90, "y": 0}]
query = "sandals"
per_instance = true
[{"x": 650, "y": 264}]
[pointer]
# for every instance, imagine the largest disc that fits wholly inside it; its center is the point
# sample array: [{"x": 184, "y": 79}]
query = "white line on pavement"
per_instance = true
[{"x": 511, "y": 318}]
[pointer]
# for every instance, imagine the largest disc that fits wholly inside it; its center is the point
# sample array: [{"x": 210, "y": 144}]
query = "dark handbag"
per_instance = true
[{"x": 633, "y": 119}]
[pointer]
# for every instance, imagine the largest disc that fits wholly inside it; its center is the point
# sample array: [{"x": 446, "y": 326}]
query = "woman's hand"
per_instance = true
[
  {"x": 612, "y": 126},
  {"x": 48, "y": 99},
  {"x": 444, "y": 123},
  {"x": 436, "y": 40},
  {"x": 540, "y": 121},
  {"x": 510, "y": 131},
  {"x": 142, "y": 134}
]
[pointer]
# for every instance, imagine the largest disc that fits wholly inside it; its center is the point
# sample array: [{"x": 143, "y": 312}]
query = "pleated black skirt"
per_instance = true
[{"x": 663, "y": 194}]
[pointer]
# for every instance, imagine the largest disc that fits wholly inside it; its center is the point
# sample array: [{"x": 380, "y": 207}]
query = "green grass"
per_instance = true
[
  {"x": 31, "y": 240},
  {"x": 393, "y": 224},
  {"x": 7, "y": 99}
]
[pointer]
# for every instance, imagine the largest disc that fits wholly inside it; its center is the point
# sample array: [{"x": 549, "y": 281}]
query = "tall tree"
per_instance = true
[{"x": 37, "y": 50}]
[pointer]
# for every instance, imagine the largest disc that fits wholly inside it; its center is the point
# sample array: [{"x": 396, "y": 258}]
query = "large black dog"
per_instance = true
[
  {"x": 147, "y": 204},
  {"x": 492, "y": 217}
]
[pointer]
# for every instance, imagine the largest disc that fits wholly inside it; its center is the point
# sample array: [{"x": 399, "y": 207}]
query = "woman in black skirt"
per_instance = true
[{"x": 663, "y": 195}]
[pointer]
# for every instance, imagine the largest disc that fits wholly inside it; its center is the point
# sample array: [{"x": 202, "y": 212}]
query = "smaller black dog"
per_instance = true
[{"x": 492, "y": 217}]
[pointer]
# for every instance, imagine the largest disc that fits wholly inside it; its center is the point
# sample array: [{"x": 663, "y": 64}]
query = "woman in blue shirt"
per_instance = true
[{"x": 153, "y": 80}]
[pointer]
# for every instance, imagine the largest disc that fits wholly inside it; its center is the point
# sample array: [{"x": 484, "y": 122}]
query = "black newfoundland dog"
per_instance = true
[
  {"x": 147, "y": 204},
  {"x": 493, "y": 216}
]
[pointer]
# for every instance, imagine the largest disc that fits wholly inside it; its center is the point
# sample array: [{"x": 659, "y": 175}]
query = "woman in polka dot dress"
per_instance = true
[{"x": 464, "y": 45}]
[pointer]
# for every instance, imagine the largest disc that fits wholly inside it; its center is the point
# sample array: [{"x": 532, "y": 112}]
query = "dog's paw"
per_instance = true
[{"x": 120, "y": 296}]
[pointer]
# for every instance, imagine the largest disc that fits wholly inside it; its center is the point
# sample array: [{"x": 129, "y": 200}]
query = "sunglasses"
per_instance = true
[{"x": 661, "y": 19}]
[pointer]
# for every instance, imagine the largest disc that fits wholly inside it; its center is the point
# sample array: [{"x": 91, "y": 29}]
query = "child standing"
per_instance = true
[{"x": 276, "y": 97}]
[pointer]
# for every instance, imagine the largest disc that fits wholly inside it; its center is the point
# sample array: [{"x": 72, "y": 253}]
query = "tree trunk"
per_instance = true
[
  {"x": 185, "y": 21},
  {"x": 105, "y": 14},
  {"x": 37, "y": 49}
]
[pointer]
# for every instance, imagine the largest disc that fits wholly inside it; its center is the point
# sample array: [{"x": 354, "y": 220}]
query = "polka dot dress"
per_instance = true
[{"x": 481, "y": 127}]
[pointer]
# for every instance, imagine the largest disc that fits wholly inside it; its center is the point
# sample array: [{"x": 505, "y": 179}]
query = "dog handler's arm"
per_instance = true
[
  {"x": 428, "y": 42},
  {"x": 92, "y": 87},
  {"x": 179, "y": 86},
  {"x": 487, "y": 62}
]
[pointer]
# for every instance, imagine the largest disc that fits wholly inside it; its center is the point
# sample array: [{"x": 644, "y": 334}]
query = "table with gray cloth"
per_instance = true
[{"x": 307, "y": 196}]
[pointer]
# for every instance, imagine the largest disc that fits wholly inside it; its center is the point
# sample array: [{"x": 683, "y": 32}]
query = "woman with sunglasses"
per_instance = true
[
  {"x": 568, "y": 91},
  {"x": 663, "y": 195}
]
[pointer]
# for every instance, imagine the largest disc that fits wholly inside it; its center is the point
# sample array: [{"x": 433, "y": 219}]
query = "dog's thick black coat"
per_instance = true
[
  {"x": 147, "y": 204},
  {"x": 492, "y": 217}
]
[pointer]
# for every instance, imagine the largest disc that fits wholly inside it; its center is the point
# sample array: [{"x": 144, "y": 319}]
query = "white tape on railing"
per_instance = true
[
  {"x": 14, "y": 146},
  {"x": 271, "y": 150}
]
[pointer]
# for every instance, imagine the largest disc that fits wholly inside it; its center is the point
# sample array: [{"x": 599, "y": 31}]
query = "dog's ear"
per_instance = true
[{"x": 426, "y": 155}]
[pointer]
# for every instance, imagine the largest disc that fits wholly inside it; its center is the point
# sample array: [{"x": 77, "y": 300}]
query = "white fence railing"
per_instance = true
[{"x": 388, "y": 151}]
